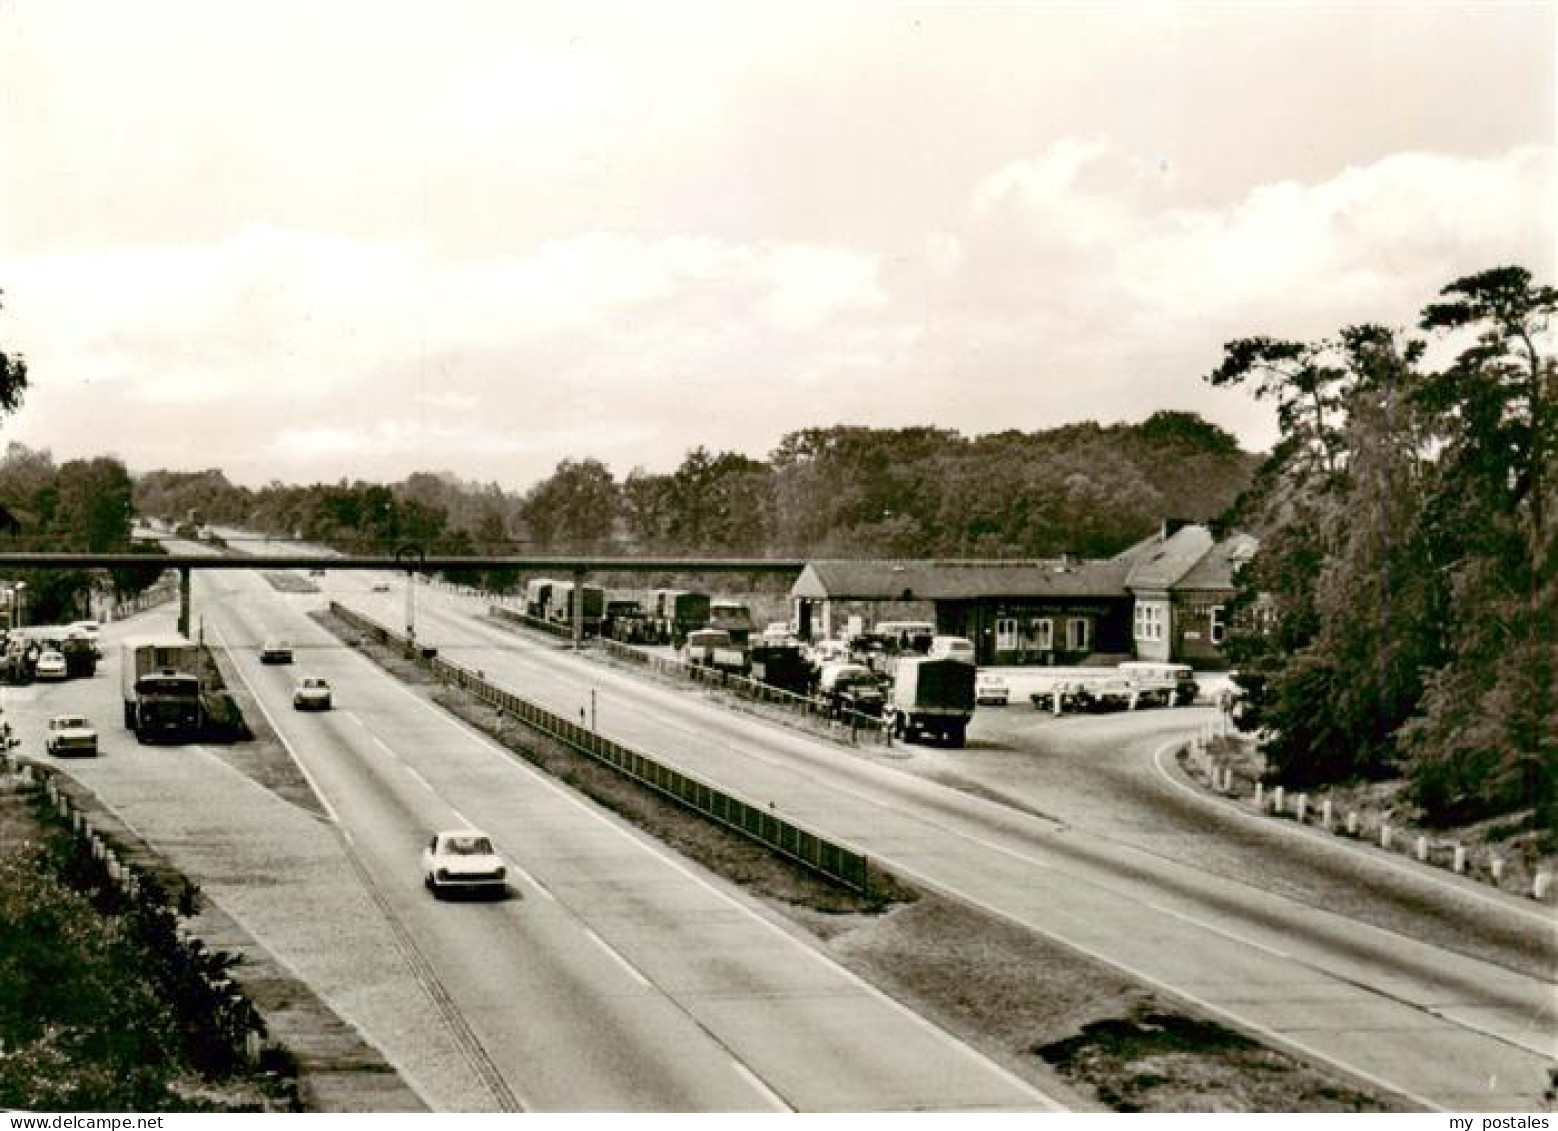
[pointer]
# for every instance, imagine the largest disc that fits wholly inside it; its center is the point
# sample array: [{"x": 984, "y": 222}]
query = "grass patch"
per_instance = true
[{"x": 102, "y": 1007}]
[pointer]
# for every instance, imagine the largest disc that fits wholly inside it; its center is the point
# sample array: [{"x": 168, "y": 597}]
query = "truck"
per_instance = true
[
  {"x": 559, "y": 609},
  {"x": 713, "y": 648},
  {"x": 160, "y": 680},
  {"x": 734, "y": 618},
  {"x": 677, "y": 612},
  {"x": 538, "y": 595},
  {"x": 934, "y": 698}
]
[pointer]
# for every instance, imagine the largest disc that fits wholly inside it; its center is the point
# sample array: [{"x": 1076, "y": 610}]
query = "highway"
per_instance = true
[
  {"x": 616, "y": 977},
  {"x": 1466, "y": 1027}
]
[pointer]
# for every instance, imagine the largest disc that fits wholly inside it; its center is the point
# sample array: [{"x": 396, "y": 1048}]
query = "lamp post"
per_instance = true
[{"x": 19, "y": 598}]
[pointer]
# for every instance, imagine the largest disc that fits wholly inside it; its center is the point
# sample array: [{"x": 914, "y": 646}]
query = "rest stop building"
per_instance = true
[{"x": 1164, "y": 598}]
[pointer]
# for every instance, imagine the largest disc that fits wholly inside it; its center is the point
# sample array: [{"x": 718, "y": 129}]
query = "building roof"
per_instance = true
[
  {"x": 958, "y": 580},
  {"x": 1220, "y": 566},
  {"x": 1177, "y": 557},
  {"x": 1159, "y": 562}
]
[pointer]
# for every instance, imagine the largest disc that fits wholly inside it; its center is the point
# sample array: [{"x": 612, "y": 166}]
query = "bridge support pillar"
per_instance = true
[
  {"x": 578, "y": 609},
  {"x": 184, "y": 601}
]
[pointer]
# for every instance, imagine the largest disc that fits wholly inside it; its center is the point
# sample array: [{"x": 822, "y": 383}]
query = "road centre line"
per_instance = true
[
  {"x": 632, "y": 971},
  {"x": 763, "y": 1089}
]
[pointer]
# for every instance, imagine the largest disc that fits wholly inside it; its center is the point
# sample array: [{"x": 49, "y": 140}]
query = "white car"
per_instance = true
[
  {"x": 51, "y": 665},
  {"x": 312, "y": 694},
  {"x": 71, "y": 735},
  {"x": 275, "y": 652},
  {"x": 462, "y": 860},
  {"x": 991, "y": 690}
]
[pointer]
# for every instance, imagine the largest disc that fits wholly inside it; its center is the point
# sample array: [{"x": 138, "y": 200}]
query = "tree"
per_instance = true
[
  {"x": 576, "y": 508},
  {"x": 1487, "y": 741},
  {"x": 13, "y": 379}
]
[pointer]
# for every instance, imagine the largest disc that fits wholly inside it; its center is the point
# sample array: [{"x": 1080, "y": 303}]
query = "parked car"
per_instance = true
[
  {"x": 275, "y": 652},
  {"x": 51, "y": 665},
  {"x": 311, "y": 694},
  {"x": 951, "y": 648},
  {"x": 992, "y": 690},
  {"x": 1168, "y": 685},
  {"x": 71, "y": 735},
  {"x": 462, "y": 860}
]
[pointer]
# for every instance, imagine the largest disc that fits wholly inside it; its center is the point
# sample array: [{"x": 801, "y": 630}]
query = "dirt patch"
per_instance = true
[
  {"x": 1157, "y": 1061},
  {"x": 1043, "y": 1010}
]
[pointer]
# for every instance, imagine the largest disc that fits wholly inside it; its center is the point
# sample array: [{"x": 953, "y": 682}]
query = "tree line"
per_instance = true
[
  {"x": 1398, "y": 618},
  {"x": 841, "y": 491}
]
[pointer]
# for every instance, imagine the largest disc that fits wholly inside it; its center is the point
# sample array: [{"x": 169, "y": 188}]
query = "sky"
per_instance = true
[{"x": 303, "y": 241}]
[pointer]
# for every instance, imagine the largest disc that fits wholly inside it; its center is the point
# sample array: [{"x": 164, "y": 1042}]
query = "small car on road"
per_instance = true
[
  {"x": 275, "y": 652},
  {"x": 463, "y": 860},
  {"x": 381, "y": 587},
  {"x": 71, "y": 735},
  {"x": 312, "y": 694}
]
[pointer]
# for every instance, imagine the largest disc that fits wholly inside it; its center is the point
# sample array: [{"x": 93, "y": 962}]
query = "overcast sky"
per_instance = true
[{"x": 314, "y": 240}]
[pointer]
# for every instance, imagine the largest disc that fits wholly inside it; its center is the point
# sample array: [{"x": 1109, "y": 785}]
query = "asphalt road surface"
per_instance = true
[
  {"x": 614, "y": 977},
  {"x": 1468, "y": 1026}
]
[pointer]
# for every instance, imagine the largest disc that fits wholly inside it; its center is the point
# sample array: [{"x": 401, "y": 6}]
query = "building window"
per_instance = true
[
  {"x": 1006, "y": 634},
  {"x": 1218, "y": 629},
  {"x": 1079, "y": 634},
  {"x": 1044, "y": 634},
  {"x": 1150, "y": 618}
]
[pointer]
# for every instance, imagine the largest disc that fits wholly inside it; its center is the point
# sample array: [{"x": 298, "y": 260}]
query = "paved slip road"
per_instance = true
[
  {"x": 1460, "y": 1027},
  {"x": 615, "y": 978}
]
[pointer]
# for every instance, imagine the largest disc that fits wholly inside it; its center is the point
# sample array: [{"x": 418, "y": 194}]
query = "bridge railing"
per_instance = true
[{"x": 760, "y": 823}]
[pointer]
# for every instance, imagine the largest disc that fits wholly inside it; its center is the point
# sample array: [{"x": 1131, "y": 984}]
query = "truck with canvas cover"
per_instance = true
[
  {"x": 934, "y": 698},
  {"x": 160, "y": 681},
  {"x": 678, "y": 612}
]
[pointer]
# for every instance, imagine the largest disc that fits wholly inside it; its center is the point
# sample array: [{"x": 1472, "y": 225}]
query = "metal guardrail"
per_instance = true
[
  {"x": 503, "y": 612},
  {"x": 756, "y": 822},
  {"x": 852, "y": 725}
]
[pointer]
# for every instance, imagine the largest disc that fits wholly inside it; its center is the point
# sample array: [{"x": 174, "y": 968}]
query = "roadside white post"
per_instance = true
[
  {"x": 1352, "y": 822},
  {"x": 1260, "y": 796},
  {"x": 1496, "y": 866},
  {"x": 1325, "y": 814},
  {"x": 1302, "y": 809},
  {"x": 1421, "y": 848},
  {"x": 1384, "y": 834},
  {"x": 1458, "y": 860},
  {"x": 1278, "y": 799},
  {"x": 1540, "y": 884}
]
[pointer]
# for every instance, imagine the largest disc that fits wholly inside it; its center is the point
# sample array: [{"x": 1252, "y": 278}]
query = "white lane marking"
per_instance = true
[
  {"x": 420, "y": 780},
  {"x": 335, "y": 818},
  {"x": 384, "y": 746},
  {"x": 762, "y": 1089},
  {"x": 1422, "y": 873},
  {"x": 631, "y": 970},
  {"x": 532, "y": 881},
  {"x": 641, "y": 841},
  {"x": 1229, "y": 935}
]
